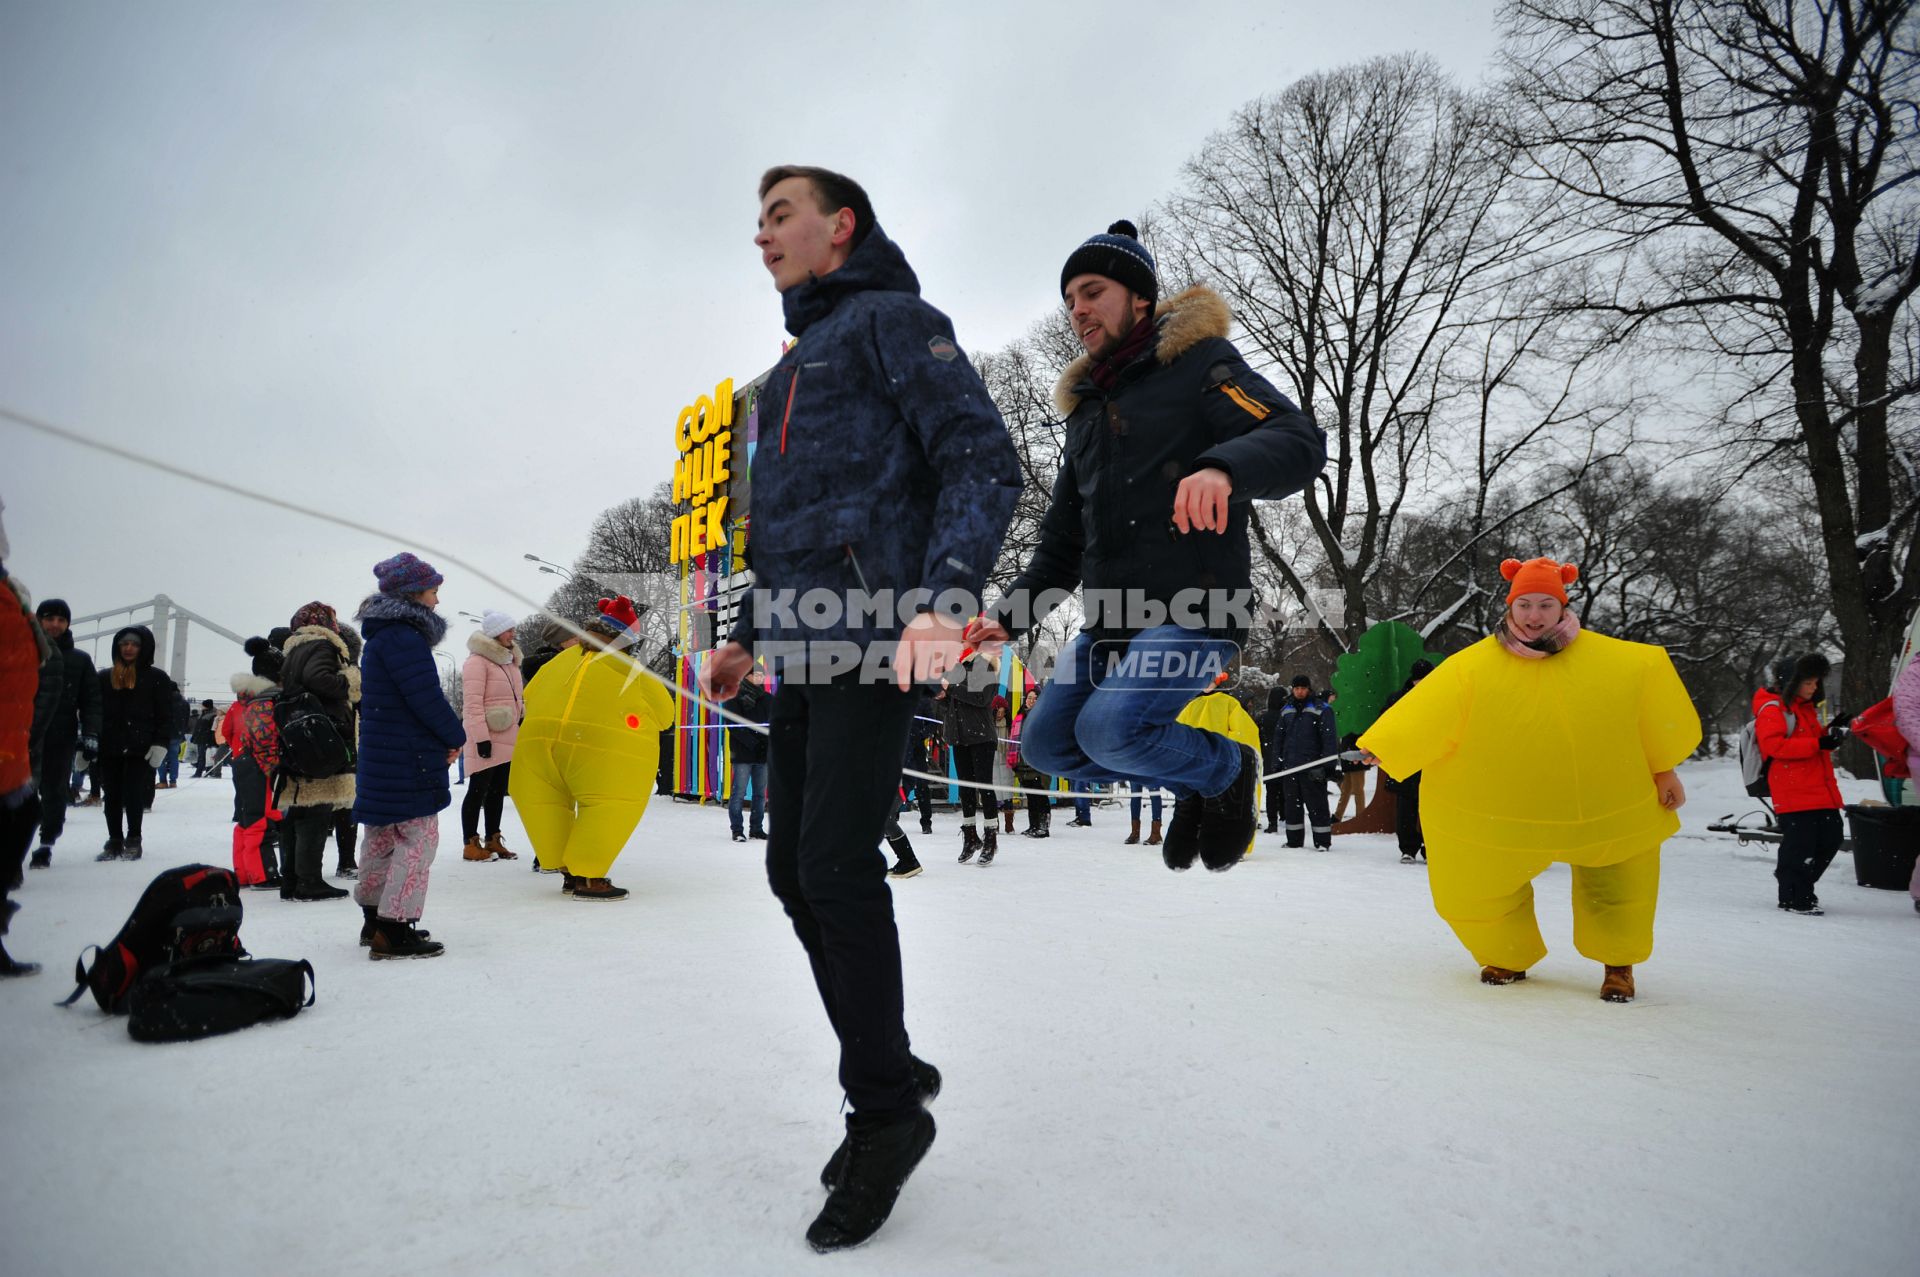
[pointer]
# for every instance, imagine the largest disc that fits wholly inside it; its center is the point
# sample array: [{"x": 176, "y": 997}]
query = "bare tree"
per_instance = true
[
  {"x": 1752, "y": 165},
  {"x": 1366, "y": 228}
]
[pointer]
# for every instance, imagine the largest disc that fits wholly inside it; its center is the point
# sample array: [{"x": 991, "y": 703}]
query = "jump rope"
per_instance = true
[{"x": 77, "y": 439}]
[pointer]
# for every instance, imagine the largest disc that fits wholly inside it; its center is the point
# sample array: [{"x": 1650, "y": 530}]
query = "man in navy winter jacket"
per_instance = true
[
  {"x": 1170, "y": 437},
  {"x": 1304, "y": 732},
  {"x": 882, "y": 487}
]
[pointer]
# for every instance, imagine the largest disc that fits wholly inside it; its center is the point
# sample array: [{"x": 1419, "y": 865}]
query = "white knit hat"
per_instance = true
[{"x": 493, "y": 624}]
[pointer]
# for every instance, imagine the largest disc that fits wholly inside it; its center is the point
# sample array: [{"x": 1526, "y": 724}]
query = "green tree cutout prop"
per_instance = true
[{"x": 1365, "y": 679}]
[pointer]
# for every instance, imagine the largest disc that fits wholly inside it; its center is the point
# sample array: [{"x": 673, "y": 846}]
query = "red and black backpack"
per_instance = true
[{"x": 189, "y": 912}]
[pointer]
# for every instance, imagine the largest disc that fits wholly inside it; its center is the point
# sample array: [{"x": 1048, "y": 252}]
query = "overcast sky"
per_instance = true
[{"x": 452, "y": 269}]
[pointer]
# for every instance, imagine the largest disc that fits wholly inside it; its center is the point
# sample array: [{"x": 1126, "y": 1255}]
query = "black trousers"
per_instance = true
[
  {"x": 346, "y": 837},
  {"x": 54, "y": 780},
  {"x": 1305, "y": 796},
  {"x": 249, "y": 805},
  {"x": 304, "y": 842},
  {"x": 833, "y": 764},
  {"x": 1406, "y": 817},
  {"x": 1039, "y": 806},
  {"x": 16, "y": 835},
  {"x": 1276, "y": 795},
  {"x": 917, "y": 760},
  {"x": 128, "y": 785},
  {"x": 1809, "y": 840},
  {"x": 486, "y": 792},
  {"x": 975, "y": 762}
]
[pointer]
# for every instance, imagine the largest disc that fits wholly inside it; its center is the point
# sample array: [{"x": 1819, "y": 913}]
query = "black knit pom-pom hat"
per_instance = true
[{"x": 1120, "y": 256}]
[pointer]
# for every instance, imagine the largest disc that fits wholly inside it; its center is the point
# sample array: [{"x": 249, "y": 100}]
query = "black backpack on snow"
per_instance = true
[
  {"x": 311, "y": 743},
  {"x": 200, "y": 997},
  {"x": 189, "y": 912}
]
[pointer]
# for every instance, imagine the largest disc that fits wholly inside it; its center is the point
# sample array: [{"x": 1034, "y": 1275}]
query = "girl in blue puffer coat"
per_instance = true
[{"x": 409, "y": 736}]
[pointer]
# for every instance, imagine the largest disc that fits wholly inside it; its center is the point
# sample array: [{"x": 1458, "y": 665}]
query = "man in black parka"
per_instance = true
[{"x": 1170, "y": 438}]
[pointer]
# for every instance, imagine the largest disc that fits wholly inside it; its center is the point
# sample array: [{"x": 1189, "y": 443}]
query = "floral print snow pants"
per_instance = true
[{"x": 394, "y": 861}]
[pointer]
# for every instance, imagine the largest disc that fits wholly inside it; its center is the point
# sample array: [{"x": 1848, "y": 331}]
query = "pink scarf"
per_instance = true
[{"x": 1557, "y": 639}]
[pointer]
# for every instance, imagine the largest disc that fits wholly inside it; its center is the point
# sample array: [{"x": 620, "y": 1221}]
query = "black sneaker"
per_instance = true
[
  {"x": 739, "y": 837},
  {"x": 1406, "y": 857},
  {"x": 926, "y": 1079},
  {"x": 319, "y": 890},
  {"x": 756, "y": 837},
  {"x": 267, "y": 884},
  {"x": 1807, "y": 907},
  {"x": 42, "y": 859},
  {"x": 880, "y": 1157},
  {"x": 112, "y": 849},
  {"x": 1228, "y": 821},
  {"x": 132, "y": 850}
]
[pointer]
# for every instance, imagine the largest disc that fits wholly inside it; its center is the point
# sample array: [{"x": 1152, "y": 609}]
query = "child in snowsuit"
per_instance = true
[
  {"x": 587, "y": 753},
  {"x": 1541, "y": 743}
]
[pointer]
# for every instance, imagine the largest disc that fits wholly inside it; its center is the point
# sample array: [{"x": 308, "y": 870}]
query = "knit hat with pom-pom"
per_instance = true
[
  {"x": 1120, "y": 256},
  {"x": 267, "y": 659},
  {"x": 1538, "y": 576}
]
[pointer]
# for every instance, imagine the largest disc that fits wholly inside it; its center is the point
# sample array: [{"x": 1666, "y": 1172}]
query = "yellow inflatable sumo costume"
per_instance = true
[
  {"x": 1542, "y": 743},
  {"x": 583, "y": 768},
  {"x": 1218, "y": 712}
]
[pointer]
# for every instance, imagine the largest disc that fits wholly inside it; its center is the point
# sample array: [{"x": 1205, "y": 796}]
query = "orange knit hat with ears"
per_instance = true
[{"x": 1538, "y": 576}]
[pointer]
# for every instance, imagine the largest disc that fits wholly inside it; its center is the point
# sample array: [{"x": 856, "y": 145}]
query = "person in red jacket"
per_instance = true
[
  {"x": 22, "y": 653},
  {"x": 1800, "y": 779}
]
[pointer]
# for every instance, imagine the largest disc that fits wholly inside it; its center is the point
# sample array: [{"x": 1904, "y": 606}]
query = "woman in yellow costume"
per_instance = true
[
  {"x": 586, "y": 756},
  {"x": 1542, "y": 743}
]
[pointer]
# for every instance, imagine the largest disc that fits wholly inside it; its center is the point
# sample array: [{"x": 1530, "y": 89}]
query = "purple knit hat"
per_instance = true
[{"x": 406, "y": 574}]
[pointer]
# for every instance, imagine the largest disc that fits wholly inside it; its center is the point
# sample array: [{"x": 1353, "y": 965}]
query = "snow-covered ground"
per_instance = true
[{"x": 1290, "y": 1068}]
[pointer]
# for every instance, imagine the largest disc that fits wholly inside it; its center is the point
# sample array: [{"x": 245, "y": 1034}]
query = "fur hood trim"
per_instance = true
[
  {"x": 313, "y": 634},
  {"x": 493, "y": 650},
  {"x": 248, "y": 686},
  {"x": 393, "y": 607},
  {"x": 1184, "y": 320}
]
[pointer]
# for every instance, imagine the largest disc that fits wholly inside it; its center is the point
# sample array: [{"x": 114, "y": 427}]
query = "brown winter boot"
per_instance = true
[
  {"x": 1134, "y": 836},
  {"x": 474, "y": 851},
  {"x": 1618, "y": 986},
  {"x": 1006, "y": 817},
  {"x": 1153, "y": 835},
  {"x": 1500, "y": 975},
  {"x": 498, "y": 848}
]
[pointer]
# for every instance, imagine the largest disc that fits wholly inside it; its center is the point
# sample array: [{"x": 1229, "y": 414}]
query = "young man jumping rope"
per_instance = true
[
  {"x": 884, "y": 470},
  {"x": 1169, "y": 437}
]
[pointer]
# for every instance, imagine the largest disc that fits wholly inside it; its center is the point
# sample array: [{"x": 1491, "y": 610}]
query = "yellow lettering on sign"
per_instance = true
[{"x": 703, "y": 436}]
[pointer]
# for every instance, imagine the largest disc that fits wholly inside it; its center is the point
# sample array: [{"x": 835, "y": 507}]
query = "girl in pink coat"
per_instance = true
[{"x": 492, "y": 705}]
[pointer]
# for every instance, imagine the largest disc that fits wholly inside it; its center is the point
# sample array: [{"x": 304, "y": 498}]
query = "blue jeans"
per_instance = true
[
  {"x": 742, "y": 773},
  {"x": 1124, "y": 728},
  {"x": 1082, "y": 808},
  {"x": 170, "y": 765},
  {"x": 1153, "y": 798}
]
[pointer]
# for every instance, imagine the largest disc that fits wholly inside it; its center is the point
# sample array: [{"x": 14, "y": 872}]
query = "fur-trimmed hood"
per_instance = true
[
  {"x": 394, "y": 607},
  {"x": 493, "y": 650},
  {"x": 313, "y": 634},
  {"x": 1183, "y": 320},
  {"x": 248, "y": 686}
]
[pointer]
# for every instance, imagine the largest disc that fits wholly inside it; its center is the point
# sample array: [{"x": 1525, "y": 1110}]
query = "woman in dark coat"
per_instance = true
[
  {"x": 136, "y": 720},
  {"x": 319, "y": 664}
]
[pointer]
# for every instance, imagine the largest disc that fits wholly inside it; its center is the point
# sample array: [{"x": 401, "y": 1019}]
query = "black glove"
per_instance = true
[
  {"x": 1830, "y": 739},
  {"x": 484, "y": 749},
  {"x": 1840, "y": 722}
]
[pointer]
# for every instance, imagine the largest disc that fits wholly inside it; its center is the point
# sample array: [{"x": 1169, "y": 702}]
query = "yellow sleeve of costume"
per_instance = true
[
  {"x": 1424, "y": 726},
  {"x": 1669, "y": 725}
]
